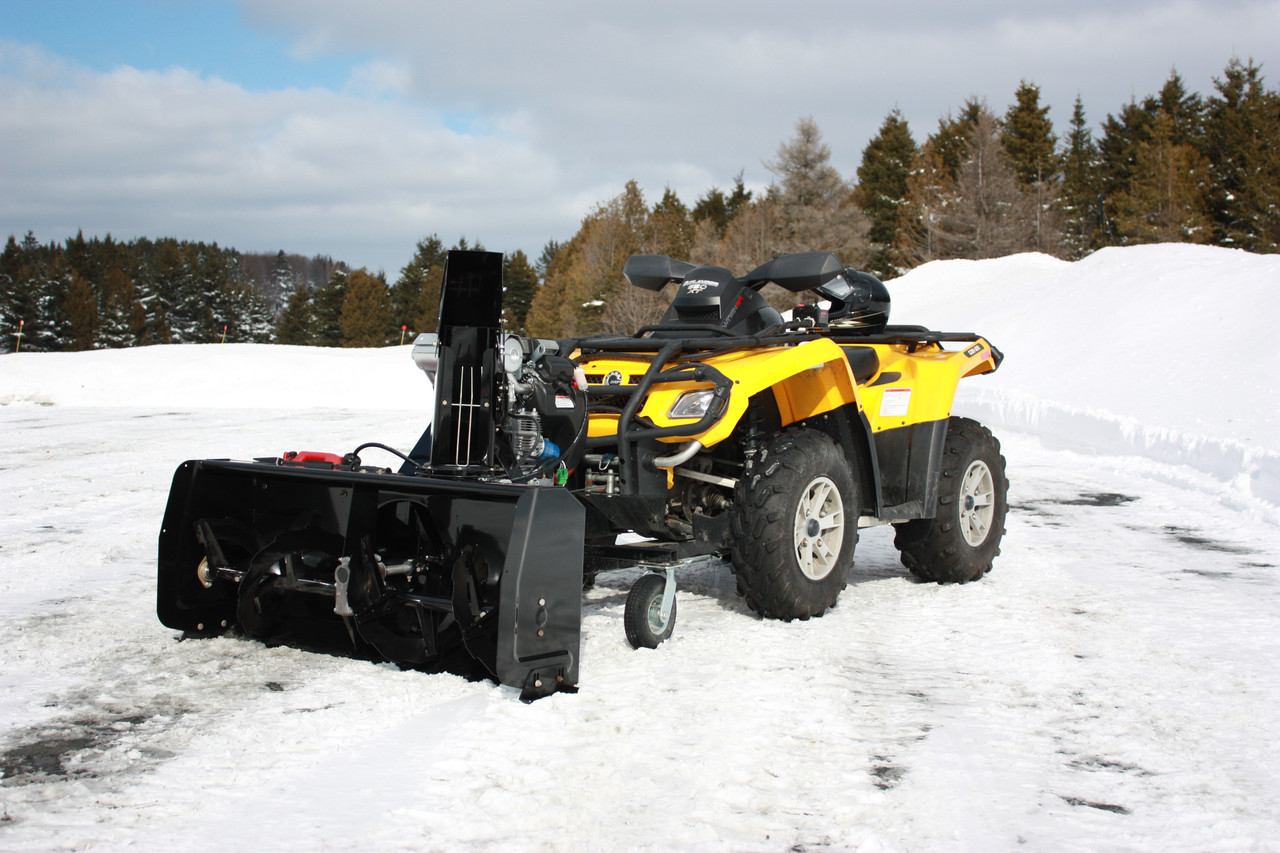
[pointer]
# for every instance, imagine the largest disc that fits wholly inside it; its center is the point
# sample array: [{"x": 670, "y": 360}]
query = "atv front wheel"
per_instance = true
[
  {"x": 959, "y": 543},
  {"x": 795, "y": 525}
]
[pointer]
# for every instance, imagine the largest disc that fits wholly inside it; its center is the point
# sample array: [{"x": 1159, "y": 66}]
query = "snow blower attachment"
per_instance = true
[
  {"x": 721, "y": 432},
  {"x": 441, "y": 564}
]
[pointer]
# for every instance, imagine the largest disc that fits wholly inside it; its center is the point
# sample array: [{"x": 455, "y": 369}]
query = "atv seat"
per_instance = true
[{"x": 863, "y": 361}]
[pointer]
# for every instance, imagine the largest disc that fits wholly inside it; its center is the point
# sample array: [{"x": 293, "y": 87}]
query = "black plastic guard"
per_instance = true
[{"x": 523, "y": 544}]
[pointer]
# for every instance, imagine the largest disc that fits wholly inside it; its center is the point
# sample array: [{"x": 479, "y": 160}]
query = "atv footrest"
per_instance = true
[{"x": 605, "y": 558}]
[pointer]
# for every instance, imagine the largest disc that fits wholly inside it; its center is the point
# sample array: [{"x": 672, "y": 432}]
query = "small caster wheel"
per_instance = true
[{"x": 643, "y": 616}]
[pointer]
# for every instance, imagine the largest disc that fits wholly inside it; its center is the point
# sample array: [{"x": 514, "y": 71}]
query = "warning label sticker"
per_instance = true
[
  {"x": 563, "y": 402},
  {"x": 895, "y": 402}
]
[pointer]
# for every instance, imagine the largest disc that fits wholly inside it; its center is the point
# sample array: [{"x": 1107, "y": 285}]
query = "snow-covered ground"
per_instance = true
[{"x": 1113, "y": 684}]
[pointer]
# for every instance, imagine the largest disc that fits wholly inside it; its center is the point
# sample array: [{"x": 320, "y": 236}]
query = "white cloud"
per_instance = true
[
  {"x": 507, "y": 121},
  {"x": 145, "y": 153},
  {"x": 380, "y": 77}
]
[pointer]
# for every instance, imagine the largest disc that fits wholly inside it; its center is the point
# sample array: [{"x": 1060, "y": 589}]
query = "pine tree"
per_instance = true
[
  {"x": 720, "y": 209},
  {"x": 1027, "y": 135},
  {"x": 520, "y": 285},
  {"x": 11, "y": 273},
  {"x": 415, "y": 297},
  {"x": 882, "y": 187},
  {"x": 712, "y": 207},
  {"x": 547, "y": 258},
  {"x": 281, "y": 281},
  {"x": 80, "y": 307},
  {"x": 295, "y": 325},
  {"x": 1165, "y": 198},
  {"x": 1118, "y": 155},
  {"x": 124, "y": 321},
  {"x": 1184, "y": 110},
  {"x": 1031, "y": 148},
  {"x": 670, "y": 227},
  {"x": 1243, "y": 147},
  {"x": 367, "y": 319},
  {"x": 1081, "y": 195},
  {"x": 950, "y": 141},
  {"x": 327, "y": 304}
]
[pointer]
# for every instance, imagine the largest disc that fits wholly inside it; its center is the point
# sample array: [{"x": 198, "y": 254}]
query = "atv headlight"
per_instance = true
[
  {"x": 512, "y": 355},
  {"x": 692, "y": 404}
]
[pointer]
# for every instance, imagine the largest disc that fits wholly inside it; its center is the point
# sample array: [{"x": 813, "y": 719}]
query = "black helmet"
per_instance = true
[{"x": 858, "y": 300}]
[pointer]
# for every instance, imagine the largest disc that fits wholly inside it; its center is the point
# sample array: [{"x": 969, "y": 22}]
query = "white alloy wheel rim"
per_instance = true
[
  {"x": 977, "y": 503},
  {"x": 819, "y": 528}
]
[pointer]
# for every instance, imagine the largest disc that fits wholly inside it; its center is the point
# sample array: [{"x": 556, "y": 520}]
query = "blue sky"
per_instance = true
[
  {"x": 354, "y": 130},
  {"x": 209, "y": 38}
]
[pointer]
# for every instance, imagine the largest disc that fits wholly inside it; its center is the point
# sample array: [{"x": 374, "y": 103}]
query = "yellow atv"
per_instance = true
[{"x": 723, "y": 431}]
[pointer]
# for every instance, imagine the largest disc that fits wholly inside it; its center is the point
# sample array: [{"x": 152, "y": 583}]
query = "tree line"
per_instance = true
[{"x": 1171, "y": 167}]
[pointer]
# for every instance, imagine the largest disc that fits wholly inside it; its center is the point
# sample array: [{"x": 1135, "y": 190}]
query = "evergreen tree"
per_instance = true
[
  {"x": 712, "y": 207},
  {"x": 1081, "y": 195},
  {"x": 950, "y": 141},
  {"x": 519, "y": 285},
  {"x": 1184, "y": 110},
  {"x": 547, "y": 258},
  {"x": 327, "y": 305},
  {"x": 81, "y": 310},
  {"x": 295, "y": 325},
  {"x": 1118, "y": 155},
  {"x": 720, "y": 209},
  {"x": 1165, "y": 197},
  {"x": 124, "y": 321},
  {"x": 281, "y": 281},
  {"x": 670, "y": 227},
  {"x": 1243, "y": 147},
  {"x": 737, "y": 200},
  {"x": 366, "y": 318},
  {"x": 882, "y": 187},
  {"x": 11, "y": 274},
  {"x": 415, "y": 297},
  {"x": 248, "y": 317},
  {"x": 1027, "y": 135},
  {"x": 38, "y": 296}
]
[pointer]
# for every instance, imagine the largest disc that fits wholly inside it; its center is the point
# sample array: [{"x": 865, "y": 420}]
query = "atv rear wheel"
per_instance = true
[
  {"x": 959, "y": 543},
  {"x": 795, "y": 525}
]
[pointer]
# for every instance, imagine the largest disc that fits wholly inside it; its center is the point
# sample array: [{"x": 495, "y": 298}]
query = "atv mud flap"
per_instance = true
[{"x": 423, "y": 572}]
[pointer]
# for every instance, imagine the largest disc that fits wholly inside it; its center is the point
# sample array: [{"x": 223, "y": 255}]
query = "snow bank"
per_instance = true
[
  {"x": 1157, "y": 351},
  {"x": 198, "y": 376}
]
